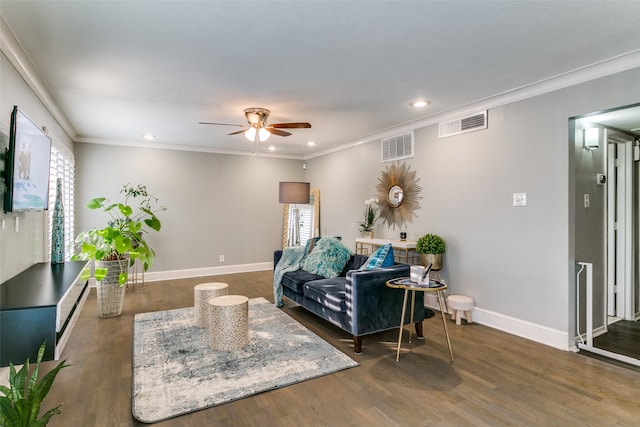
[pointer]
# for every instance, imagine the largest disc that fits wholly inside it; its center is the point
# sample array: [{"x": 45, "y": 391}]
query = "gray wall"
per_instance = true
[
  {"x": 216, "y": 204},
  {"x": 514, "y": 261},
  {"x": 19, "y": 250}
]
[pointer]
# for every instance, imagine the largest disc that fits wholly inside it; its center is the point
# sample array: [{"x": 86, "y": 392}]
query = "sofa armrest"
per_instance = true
[
  {"x": 277, "y": 254},
  {"x": 372, "y": 306}
]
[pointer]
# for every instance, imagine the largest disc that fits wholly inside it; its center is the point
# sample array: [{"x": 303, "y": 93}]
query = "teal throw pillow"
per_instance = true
[
  {"x": 327, "y": 259},
  {"x": 383, "y": 257}
]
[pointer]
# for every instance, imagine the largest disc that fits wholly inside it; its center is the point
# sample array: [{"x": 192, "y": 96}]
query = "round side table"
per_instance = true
[
  {"x": 408, "y": 285},
  {"x": 228, "y": 322},
  {"x": 202, "y": 293}
]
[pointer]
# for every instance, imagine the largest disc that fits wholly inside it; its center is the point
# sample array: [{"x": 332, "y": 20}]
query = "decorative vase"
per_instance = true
[
  {"x": 435, "y": 259},
  {"x": 110, "y": 294},
  {"x": 57, "y": 227},
  {"x": 368, "y": 234}
]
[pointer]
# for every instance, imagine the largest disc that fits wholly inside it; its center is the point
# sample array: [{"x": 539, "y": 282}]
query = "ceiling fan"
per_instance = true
[{"x": 258, "y": 130}]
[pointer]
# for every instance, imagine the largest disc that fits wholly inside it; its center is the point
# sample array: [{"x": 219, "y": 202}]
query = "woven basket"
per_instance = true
[{"x": 110, "y": 293}]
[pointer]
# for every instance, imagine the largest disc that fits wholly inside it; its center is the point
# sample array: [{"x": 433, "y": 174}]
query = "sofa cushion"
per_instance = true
[
  {"x": 383, "y": 257},
  {"x": 328, "y": 258},
  {"x": 295, "y": 280},
  {"x": 329, "y": 293},
  {"x": 355, "y": 262}
]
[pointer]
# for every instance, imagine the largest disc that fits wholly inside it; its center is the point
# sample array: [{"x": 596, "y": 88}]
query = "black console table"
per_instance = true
[{"x": 41, "y": 303}]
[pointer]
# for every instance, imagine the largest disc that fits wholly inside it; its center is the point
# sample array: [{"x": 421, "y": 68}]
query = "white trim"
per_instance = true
[
  {"x": 179, "y": 147},
  {"x": 606, "y": 353},
  {"x": 157, "y": 276},
  {"x": 14, "y": 52},
  {"x": 522, "y": 328},
  {"x": 587, "y": 73},
  {"x": 12, "y": 49}
]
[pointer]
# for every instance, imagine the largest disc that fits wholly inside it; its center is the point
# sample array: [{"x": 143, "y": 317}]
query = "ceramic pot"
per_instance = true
[{"x": 435, "y": 259}]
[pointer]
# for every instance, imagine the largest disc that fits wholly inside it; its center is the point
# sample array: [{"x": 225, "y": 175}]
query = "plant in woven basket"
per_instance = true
[
  {"x": 20, "y": 402},
  {"x": 124, "y": 235}
]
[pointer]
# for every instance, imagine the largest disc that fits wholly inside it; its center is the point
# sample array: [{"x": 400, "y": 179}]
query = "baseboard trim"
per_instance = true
[
  {"x": 521, "y": 328},
  {"x": 157, "y": 276}
]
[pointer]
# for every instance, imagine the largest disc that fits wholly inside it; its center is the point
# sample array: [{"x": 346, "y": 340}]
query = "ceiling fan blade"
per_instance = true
[
  {"x": 277, "y": 131},
  {"x": 238, "y": 131},
  {"x": 219, "y": 124},
  {"x": 290, "y": 125}
]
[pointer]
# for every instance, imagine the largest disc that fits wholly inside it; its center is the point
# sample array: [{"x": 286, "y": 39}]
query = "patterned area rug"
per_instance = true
[{"x": 175, "y": 372}]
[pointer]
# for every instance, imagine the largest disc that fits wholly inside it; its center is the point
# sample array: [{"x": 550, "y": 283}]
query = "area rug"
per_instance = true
[{"x": 175, "y": 372}]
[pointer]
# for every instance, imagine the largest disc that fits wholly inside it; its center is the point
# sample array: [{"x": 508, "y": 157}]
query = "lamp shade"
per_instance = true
[{"x": 294, "y": 192}]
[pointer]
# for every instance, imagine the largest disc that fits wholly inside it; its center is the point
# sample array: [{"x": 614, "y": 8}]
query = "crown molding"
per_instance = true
[
  {"x": 180, "y": 147},
  {"x": 14, "y": 52},
  {"x": 618, "y": 64},
  {"x": 17, "y": 57}
]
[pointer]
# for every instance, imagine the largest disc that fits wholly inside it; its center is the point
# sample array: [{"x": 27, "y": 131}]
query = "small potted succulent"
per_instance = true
[
  {"x": 116, "y": 247},
  {"x": 432, "y": 247}
]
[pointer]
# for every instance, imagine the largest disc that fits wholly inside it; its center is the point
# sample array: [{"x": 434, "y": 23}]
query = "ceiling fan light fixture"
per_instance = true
[{"x": 263, "y": 134}]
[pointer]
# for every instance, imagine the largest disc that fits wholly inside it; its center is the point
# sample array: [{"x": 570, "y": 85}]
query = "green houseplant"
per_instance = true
[
  {"x": 432, "y": 247},
  {"x": 118, "y": 245},
  {"x": 20, "y": 402}
]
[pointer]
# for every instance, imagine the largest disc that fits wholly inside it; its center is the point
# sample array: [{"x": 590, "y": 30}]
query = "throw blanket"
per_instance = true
[{"x": 290, "y": 261}]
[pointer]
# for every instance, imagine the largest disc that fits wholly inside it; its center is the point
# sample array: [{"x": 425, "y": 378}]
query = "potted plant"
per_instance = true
[
  {"x": 117, "y": 247},
  {"x": 20, "y": 402},
  {"x": 432, "y": 247},
  {"x": 370, "y": 218}
]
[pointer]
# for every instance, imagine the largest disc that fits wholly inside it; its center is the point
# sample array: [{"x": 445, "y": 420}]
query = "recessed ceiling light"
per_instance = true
[
  {"x": 271, "y": 148},
  {"x": 311, "y": 143},
  {"x": 420, "y": 104},
  {"x": 149, "y": 136}
]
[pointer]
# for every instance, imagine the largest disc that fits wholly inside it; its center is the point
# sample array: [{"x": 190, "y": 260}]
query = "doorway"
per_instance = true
[{"x": 608, "y": 179}]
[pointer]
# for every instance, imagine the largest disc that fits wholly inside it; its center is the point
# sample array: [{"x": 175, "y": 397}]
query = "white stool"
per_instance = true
[
  {"x": 228, "y": 322},
  {"x": 458, "y": 304},
  {"x": 202, "y": 293}
]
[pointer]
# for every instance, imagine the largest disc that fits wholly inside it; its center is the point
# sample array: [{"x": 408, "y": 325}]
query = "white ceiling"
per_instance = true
[{"x": 120, "y": 69}]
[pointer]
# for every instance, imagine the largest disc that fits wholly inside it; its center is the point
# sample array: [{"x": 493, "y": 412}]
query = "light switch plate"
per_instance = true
[{"x": 519, "y": 199}]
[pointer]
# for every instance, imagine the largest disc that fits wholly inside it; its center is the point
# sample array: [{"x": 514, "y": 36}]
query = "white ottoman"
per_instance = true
[
  {"x": 202, "y": 293},
  {"x": 458, "y": 304},
  {"x": 228, "y": 322}
]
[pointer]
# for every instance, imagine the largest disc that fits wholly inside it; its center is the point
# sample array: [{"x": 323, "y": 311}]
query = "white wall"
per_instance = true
[
  {"x": 516, "y": 262},
  {"x": 19, "y": 250}
]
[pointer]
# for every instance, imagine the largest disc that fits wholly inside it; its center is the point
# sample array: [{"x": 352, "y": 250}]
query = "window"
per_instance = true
[
  {"x": 306, "y": 223},
  {"x": 62, "y": 166}
]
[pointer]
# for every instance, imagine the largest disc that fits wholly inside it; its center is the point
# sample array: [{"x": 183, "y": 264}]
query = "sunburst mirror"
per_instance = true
[{"x": 398, "y": 185}]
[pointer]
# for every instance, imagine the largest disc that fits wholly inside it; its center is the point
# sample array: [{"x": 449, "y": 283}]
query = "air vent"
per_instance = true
[
  {"x": 397, "y": 147},
  {"x": 471, "y": 123}
]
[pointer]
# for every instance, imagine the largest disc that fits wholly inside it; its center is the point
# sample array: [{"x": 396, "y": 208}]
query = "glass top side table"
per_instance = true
[{"x": 407, "y": 284}]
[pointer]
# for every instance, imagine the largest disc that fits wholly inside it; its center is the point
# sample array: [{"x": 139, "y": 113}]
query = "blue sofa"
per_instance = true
[{"x": 357, "y": 301}]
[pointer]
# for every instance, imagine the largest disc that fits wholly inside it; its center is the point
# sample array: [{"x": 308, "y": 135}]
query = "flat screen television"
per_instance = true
[{"x": 26, "y": 166}]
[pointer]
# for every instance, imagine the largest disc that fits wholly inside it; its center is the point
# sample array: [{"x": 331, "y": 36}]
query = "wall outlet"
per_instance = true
[{"x": 221, "y": 258}]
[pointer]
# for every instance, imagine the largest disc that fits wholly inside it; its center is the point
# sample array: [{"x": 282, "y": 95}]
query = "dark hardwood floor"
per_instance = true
[
  {"x": 622, "y": 337},
  {"x": 497, "y": 379}
]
